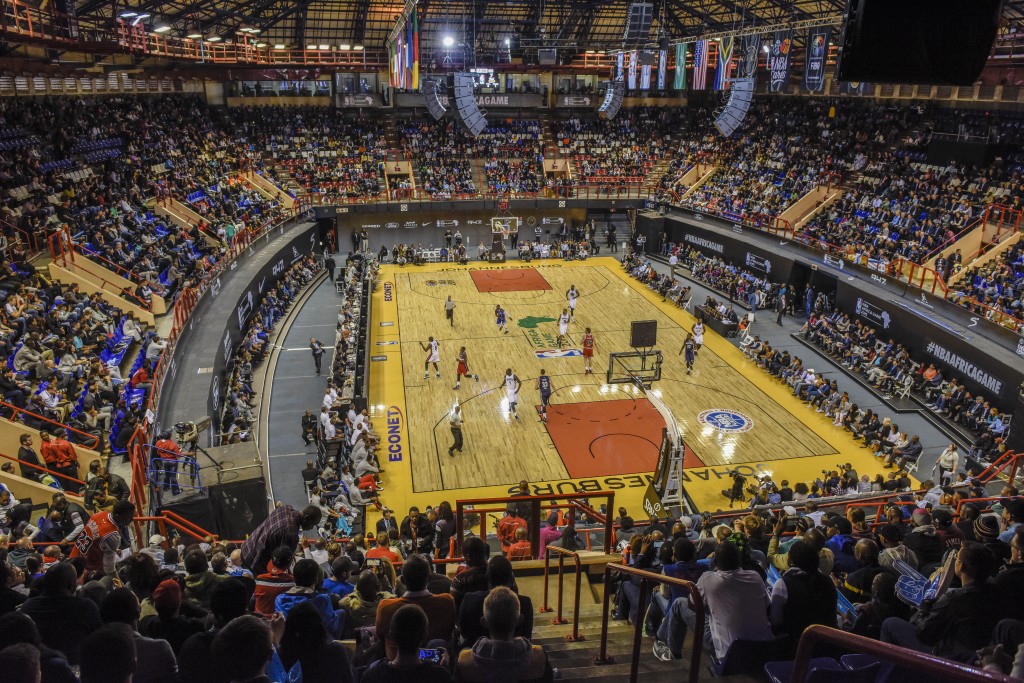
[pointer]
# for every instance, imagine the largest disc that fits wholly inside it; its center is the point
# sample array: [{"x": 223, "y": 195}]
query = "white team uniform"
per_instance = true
[
  {"x": 698, "y": 333},
  {"x": 434, "y": 356},
  {"x": 510, "y": 389},
  {"x": 563, "y": 324},
  {"x": 573, "y": 295}
]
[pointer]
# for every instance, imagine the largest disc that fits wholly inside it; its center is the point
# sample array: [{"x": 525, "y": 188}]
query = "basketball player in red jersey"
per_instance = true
[
  {"x": 588, "y": 351},
  {"x": 100, "y": 541},
  {"x": 462, "y": 368}
]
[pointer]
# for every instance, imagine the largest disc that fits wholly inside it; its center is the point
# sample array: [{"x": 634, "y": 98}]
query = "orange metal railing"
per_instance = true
[
  {"x": 562, "y": 554},
  {"x": 185, "y": 304},
  {"x": 90, "y": 440},
  {"x": 39, "y": 468},
  {"x": 570, "y": 500}
]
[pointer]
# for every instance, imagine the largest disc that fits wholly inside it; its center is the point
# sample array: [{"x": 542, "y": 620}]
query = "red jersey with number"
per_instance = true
[
  {"x": 588, "y": 345},
  {"x": 101, "y": 534}
]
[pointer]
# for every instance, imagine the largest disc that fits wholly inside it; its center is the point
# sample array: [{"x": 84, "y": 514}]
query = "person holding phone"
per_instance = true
[{"x": 408, "y": 628}]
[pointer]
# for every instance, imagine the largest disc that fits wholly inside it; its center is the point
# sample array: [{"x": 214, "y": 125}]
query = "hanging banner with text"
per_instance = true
[
  {"x": 662, "y": 68},
  {"x": 779, "y": 51},
  {"x": 817, "y": 53}
]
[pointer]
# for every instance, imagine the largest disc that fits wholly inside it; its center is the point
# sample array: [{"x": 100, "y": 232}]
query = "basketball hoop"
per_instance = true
[{"x": 504, "y": 231}]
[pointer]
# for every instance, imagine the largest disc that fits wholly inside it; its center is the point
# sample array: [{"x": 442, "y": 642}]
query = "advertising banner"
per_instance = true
[
  {"x": 779, "y": 51},
  {"x": 817, "y": 53}
]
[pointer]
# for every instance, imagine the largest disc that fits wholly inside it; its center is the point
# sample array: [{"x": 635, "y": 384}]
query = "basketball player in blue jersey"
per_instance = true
[
  {"x": 571, "y": 296},
  {"x": 690, "y": 347},
  {"x": 512, "y": 387},
  {"x": 501, "y": 318},
  {"x": 433, "y": 356},
  {"x": 545, "y": 387}
]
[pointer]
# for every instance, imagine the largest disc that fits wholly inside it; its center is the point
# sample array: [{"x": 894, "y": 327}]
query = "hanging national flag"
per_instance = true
[
  {"x": 724, "y": 59},
  {"x": 631, "y": 76},
  {"x": 645, "y": 73},
  {"x": 680, "y": 79},
  {"x": 415, "y": 51},
  {"x": 700, "y": 65},
  {"x": 662, "y": 68}
]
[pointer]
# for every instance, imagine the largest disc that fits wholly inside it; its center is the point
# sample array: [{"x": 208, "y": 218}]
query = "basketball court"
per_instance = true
[{"x": 599, "y": 435}]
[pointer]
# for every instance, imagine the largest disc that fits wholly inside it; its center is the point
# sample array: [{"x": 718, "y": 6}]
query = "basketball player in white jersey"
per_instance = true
[
  {"x": 698, "y": 335},
  {"x": 563, "y": 327},
  {"x": 571, "y": 296},
  {"x": 512, "y": 387},
  {"x": 433, "y": 356}
]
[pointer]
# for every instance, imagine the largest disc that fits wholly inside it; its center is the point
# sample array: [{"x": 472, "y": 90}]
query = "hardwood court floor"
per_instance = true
[{"x": 755, "y": 422}]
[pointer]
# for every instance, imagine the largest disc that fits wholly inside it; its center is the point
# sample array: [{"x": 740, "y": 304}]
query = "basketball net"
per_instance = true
[{"x": 504, "y": 232}]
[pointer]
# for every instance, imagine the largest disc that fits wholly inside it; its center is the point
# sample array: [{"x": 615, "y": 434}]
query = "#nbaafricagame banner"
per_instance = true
[
  {"x": 817, "y": 53},
  {"x": 634, "y": 57},
  {"x": 662, "y": 68},
  {"x": 700, "y": 65},
  {"x": 680, "y": 78},
  {"x": 779, "y": 50},
  {"x": 724, "y": 60}
]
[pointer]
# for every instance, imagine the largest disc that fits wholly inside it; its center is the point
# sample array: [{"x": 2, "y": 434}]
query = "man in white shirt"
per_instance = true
[
  {"x": 736, "y": 600},
  {"x": 673, "y": 261}
]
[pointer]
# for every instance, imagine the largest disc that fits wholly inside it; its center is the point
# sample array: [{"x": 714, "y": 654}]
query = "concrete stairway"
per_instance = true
[{"x": 575, "y": 660}]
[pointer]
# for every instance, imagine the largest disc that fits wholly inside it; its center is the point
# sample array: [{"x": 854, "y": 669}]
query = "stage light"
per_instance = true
[
  {"x": 261, "y": 44},
  {"x": 279, "y": 46},
  {"x": 508, "y": 42},
  {"x": 765, "y": 48},
  {"x": 448, "y": 41},
  {"x": 139, "y": 18},
  {"x": 357, "y": 47},
  {"x": 213, "y": 39},
  {"x": 344, "y": 46},
  {"x": 127, "y": 15},
  {"x": 325, "y": 47},
  {"x": 194, "y": 36},
  {"x": 162, "y": 28}
]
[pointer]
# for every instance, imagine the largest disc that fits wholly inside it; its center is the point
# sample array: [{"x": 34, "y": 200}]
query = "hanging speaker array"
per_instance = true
[
  {"x": 729, "y": 117},
  {"x": 465, "y": 104},
  {"x": 432, "y": 98},
  {"x": 612, "y": 99}
]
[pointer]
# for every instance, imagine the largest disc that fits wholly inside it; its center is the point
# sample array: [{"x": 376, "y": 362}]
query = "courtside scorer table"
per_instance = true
[{"x": 598, "y": 436}]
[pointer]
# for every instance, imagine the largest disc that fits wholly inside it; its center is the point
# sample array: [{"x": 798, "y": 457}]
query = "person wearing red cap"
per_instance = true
[{"x": 168, "y": 624}]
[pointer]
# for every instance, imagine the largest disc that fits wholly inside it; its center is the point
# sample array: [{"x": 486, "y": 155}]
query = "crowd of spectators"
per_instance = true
[
  {"x": 616, "y": 151},
  {"x": 206, "y": 610},
  {"x": 768, "y": 577},
  {"x": 504, "y": 177},
  {"x": 995, "y": 289},
  {"x": 326, "y": 153},
  {"x": 889, "y": 367},
  {"x": 239, "y": 399},
  {"x": 781, "y": 155}
]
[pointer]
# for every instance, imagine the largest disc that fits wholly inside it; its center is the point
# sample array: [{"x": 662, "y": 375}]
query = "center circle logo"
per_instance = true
[{"x": 728, "y": 421}]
